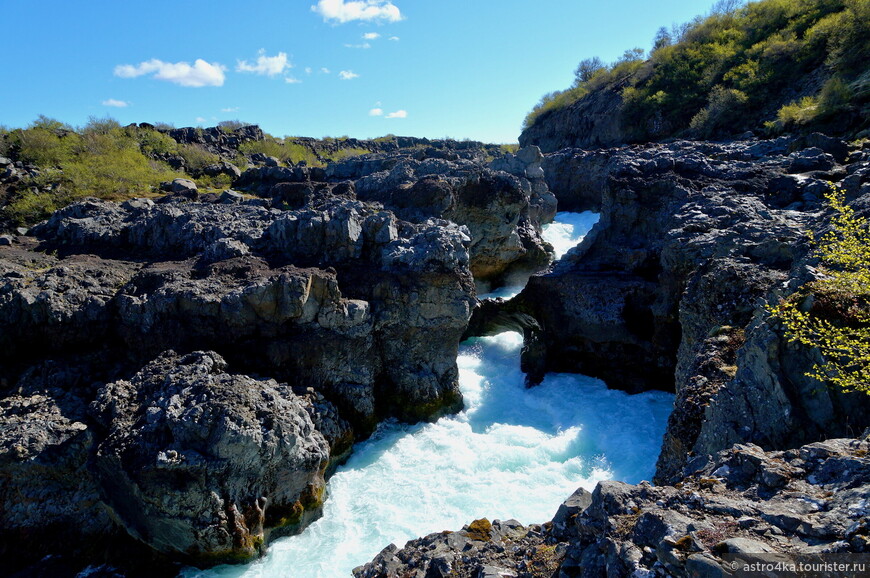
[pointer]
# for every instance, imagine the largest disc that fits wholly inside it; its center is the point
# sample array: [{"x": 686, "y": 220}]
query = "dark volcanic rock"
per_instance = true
[
  {"x": 396, "y": 322},
  {"x": 668, "y": 291},
  {"x": 503, "y": 211},
  {"x": 47, "y": 489},
  {"x": 357, "y": 312},
  {"x": 577, "y": 178},
  {"x": 503, "y": 205},
  {"x": 588, "y": 123},
  {"x": 197, "y": 463}
]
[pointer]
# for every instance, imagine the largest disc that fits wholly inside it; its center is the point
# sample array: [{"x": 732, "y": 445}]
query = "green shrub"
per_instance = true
[
  {"x": 97, "y": 125},
  {"x": 836, "y": 96},
  {"x": 286, "y": 150},
  {"x": 297, "y": 153},
  {"x": 840, "y": 328},
  {"x": 347, "y": 153},
  {"x": 725, "y": 108},
  {"x": 268, "y": 147},
  {"x": 50, "y": 124},
  {"x": 5, "y": 144},
  {"x": 44, "y": 147},
  {"x": 104, "y": 161},
  {"x": 110, "y": 165},
  {"x": 800, "y": 112},
  {"x": 555, "y": 101},
  {"x": 31, "y": 207},
  {"x": 196, "y": 158},
  {"x": 231, "y": 126},
  {"x": 153, "y": 143},
  {"x": 219, "y": 182}
]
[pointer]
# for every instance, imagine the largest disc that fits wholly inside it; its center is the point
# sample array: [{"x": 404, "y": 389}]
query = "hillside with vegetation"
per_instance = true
[
  {"x": 50, "y": 164},
  {"x": 771, "y": 66}
]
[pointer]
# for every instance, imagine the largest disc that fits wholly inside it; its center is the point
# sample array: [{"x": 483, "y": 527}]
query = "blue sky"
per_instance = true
[{"x": 431, "y": 68}]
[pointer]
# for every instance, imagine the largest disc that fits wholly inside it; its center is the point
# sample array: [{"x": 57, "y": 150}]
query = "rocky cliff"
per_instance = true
[
  {"x": 590, "y": 122},
  {"x": 669, "y": 291},
  {"x": 181, "y": 373}
]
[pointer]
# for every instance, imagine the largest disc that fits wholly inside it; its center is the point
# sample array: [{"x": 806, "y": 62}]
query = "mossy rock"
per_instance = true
[{"x": 480, "y": 530}]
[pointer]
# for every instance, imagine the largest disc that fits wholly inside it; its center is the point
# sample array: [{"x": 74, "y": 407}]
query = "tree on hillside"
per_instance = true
[
  {"x": 662, "y": 38},
  {"x": 587, "y": 69}
]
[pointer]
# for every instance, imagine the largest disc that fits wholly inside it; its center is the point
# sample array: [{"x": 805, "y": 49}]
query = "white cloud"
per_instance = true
[
  {"x": 398, "y": 114},
  {"x": 394, "y": 38},
  {"x": 230, "y": 109},
  {"x": 364, "y": 45},
  {"x": 292, "y": 80},
  {"x": 265, "y": 65},
  {"x": 376, "y": 112},
  {"x": 347, "y": 75},
  {"x": 308, "y": 70},
  {"x": 202, "y": 73},
  {"x": 325, "y": 70},
  {"x": 340, "y": 11},
  {"x": 116, "y": 103},
  {"x": 371, "y": 36},
  {"x": 200, "y": 119}
]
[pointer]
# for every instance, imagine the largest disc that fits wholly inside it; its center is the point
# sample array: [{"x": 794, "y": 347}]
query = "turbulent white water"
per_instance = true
[
  {"x": 513, "y": 453},
  {"x": 568, "y": 229}
]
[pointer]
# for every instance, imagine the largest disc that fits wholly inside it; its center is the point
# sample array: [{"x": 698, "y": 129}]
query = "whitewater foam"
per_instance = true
[{"x": 568, "y": 229}]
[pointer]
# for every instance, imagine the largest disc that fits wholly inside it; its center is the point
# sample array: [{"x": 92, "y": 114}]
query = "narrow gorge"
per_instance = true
[{"x": 185, "y": 373}]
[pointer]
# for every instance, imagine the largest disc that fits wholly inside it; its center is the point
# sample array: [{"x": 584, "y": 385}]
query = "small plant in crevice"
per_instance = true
[{"x": 832, "y": 313}]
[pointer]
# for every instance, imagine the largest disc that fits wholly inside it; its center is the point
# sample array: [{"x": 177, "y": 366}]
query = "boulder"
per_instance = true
[
  {"x": 48, "y": 488},
  {"x": 185, "y": 187},
  {"x": 199, "y": 463}
]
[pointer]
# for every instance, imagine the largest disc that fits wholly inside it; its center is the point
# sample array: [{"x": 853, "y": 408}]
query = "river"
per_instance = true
[{"x": 512, "y": 453}]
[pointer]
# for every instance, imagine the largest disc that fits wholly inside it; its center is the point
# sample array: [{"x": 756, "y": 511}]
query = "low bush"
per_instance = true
[
  {"x": 196, "y": 158},
  {"x": 832, "y": 313}
]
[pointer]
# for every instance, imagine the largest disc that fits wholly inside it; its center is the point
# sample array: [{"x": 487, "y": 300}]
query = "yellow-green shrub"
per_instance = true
[
  {"x": 31, "y": 207},
  {"x": 103, "y": 161},
  {"x": 763, "y": 49},
  {"x": 196, "y": 158},
  {"x": 842, "y": 335}
]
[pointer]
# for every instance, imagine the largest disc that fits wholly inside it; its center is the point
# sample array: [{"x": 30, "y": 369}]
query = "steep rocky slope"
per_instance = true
[
  {"x": 669, "y": 291},
  {"x": 590, "y": 122},
  {"x": 765, "y": 66}
]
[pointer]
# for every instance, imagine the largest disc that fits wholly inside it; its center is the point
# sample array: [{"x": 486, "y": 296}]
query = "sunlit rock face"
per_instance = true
[
  {"x": 355, "y": 313},
  {"x": 199, "y": 464},
  {"x": 503, "y": 203},
  {"x": 668, "y": 291}
]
